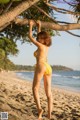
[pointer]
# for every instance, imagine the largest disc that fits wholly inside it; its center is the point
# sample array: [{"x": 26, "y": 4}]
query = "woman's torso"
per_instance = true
[{"x": 41, "y": 55}]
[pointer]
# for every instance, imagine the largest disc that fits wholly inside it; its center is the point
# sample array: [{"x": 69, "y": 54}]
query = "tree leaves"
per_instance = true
[
  {"x": 6, "y": 1},
  {"x": 8, "y": 46},
  {"x": 2, "y": 54}
]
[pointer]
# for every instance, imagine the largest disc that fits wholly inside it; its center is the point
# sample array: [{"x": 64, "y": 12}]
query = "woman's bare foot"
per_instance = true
[{"x": 40, "y": 112}]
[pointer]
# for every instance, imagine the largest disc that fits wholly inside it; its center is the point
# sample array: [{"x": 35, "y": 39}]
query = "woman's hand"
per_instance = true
[
  {"x": 30, "y": 28},
  {"x": 31, "y": 22},
  {"x": 39, "y": 25}
]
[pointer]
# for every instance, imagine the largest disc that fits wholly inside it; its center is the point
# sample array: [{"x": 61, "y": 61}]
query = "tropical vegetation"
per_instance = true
[{"x": 14, "y": 18}]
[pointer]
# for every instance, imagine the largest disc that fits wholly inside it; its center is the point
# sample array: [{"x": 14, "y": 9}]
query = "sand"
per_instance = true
[{"x": 16, "y": 98}]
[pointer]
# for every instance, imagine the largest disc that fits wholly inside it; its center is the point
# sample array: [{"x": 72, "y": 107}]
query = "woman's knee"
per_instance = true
[
  {"x": 35, "y": 89},
  {"x": 49, "y": 95}
]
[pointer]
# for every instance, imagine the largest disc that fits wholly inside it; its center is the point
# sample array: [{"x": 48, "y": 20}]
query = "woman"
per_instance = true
[{"x": 42, "y": 69}]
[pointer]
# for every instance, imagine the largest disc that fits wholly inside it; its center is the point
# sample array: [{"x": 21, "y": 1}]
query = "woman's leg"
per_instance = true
[
  {"x": 47, "y": 86},
  {"x": 36, "y": 84}
]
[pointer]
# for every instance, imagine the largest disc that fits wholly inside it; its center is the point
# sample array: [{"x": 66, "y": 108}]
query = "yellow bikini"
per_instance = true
[{"x": 48, "y": 67}]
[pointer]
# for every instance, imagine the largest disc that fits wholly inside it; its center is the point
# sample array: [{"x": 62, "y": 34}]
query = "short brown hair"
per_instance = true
[{"x": 46, "y": 37}]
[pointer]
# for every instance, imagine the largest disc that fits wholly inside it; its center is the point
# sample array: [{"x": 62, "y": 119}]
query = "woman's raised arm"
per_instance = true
[
  {"x": 31, "y": 23},
  {"x": 39, "y": 26}
]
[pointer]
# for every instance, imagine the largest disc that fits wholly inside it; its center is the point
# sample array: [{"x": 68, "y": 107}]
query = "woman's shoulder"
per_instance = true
[{"x": 44, "y": 49}]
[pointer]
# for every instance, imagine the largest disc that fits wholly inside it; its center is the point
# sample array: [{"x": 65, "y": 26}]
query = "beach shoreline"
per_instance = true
[
  {"x": 53, "y": 86},
  {"x": 16, "y": 98}
]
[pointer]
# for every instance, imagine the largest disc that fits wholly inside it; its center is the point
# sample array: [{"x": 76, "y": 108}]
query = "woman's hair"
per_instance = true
[{"x": 46, "y": 38}]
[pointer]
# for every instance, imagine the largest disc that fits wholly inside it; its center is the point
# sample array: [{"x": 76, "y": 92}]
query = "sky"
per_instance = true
[{"x": 65, "y": 49}]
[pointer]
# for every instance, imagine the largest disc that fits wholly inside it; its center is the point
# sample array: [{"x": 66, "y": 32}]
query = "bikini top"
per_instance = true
[
  {"x": 42, "y": 58},
  {"x": 35, "y": 54}
]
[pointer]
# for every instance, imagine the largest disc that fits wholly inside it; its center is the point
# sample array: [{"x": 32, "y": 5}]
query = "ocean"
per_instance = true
[{"x": 69, "y": 80}]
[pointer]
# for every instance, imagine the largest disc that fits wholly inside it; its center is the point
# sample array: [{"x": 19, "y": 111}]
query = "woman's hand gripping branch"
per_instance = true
[
  {"x": 39, "y": 26},
  {"x": 31, "y": 23}
]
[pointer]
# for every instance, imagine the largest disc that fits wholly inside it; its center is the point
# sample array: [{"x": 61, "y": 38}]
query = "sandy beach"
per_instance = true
[{"x": 16, "y": 98}]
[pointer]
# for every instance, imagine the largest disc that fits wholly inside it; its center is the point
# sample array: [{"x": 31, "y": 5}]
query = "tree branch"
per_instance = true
[
  {"x": 8, "y": 6},
  {"x": 61, "y": 10},
  {"x": 64, "y": 22},
  {"x": 3, "y": 27},
  {"x": 50, "y": 16},
  {"x": 45, "y": 13},
  {"x": 69, "y": 3},
  {"x": 72, "y": 34},
  {"x": 50, "y": 25},
  {"x": 10, "y": 16}
]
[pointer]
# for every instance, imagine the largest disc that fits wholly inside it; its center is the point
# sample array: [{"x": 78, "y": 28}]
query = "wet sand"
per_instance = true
[{"x": 16, "y": 98}]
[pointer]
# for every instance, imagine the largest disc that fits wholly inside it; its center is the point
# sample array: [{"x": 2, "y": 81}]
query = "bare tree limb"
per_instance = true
[
  {"x": 45, "y": 13},
  {"x": 7, "y": 18},
  {"x": 64, "y": 22},
  {"x": 61, "y": 10},
  {"x": 8, "y": 6},
  {"x": 72, "y": 34},
  {"x": 69, "y": 3},
  {"x": 50, "y": 16},
  {"x": 50, "y": 25},
  {"x": 3, "y": 27}
]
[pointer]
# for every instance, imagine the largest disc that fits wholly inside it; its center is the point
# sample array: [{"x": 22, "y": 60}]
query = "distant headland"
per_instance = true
[
  {"x": 31, "y": 68},
  {"x": 60, "y": 67}
]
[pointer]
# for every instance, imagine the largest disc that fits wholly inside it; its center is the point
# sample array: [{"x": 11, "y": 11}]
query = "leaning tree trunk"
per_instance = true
[
  {"x": 6, "y": 18},
  {"x": 9, "y": 16}
]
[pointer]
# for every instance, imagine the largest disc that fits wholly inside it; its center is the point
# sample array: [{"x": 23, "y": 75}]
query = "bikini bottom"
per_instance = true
[{"x": 48, "y": 69}]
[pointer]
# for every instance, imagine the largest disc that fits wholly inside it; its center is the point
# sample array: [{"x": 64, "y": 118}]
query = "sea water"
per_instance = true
[{"x": 69, "y": 80}]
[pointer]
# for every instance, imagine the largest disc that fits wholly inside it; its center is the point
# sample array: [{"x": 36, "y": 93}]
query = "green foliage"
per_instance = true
[
  {"x": 59, "y": 67},
  {"x": 8, "y": 46},
  {"x": 18, "y": 32},
  {"x": 6, "y": 64},
  {"x": 6, "y": 1},
  {"x": 31, "y": 68},
  {"x": 2, "y": 54},
  {"x": 76, "y": 8},
  {"x": 24, "y": 67}
]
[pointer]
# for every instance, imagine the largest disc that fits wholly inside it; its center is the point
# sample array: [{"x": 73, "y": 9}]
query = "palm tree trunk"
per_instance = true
[{"x": 9, "y": 16}]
